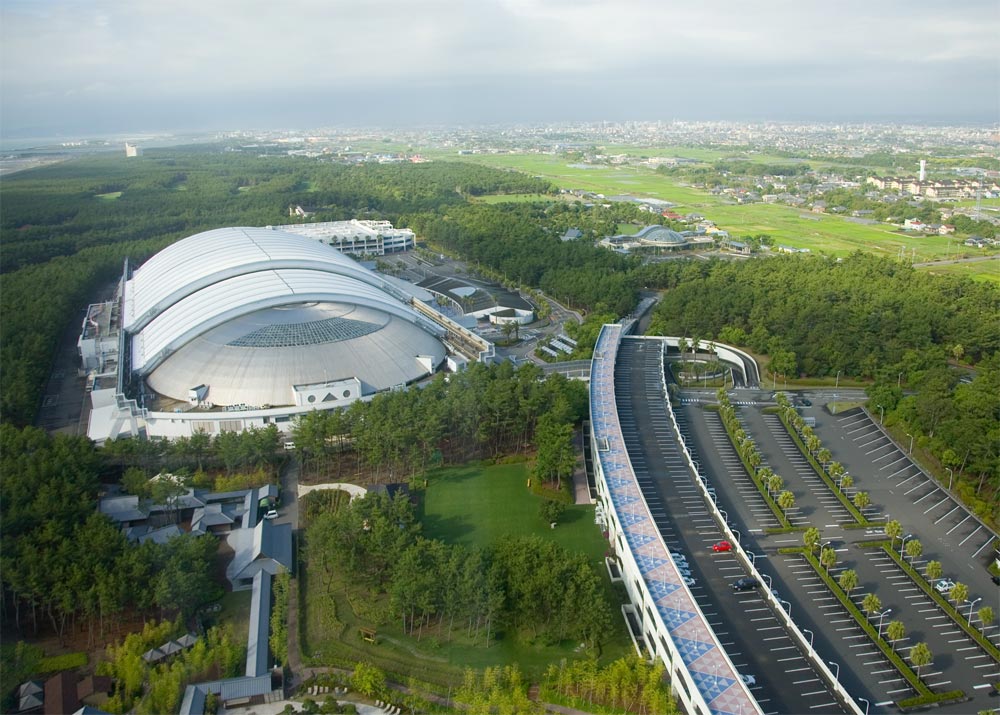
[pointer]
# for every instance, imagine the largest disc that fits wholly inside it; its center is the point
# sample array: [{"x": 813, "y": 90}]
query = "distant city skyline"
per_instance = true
[{"x": 72, "y": 68}]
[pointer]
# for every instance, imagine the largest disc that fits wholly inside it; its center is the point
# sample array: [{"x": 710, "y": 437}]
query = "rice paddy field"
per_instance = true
[{"x": 828, "y": 234}]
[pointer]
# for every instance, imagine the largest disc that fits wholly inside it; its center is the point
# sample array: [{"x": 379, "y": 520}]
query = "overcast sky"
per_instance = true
[{"x": 79, "y": 66}]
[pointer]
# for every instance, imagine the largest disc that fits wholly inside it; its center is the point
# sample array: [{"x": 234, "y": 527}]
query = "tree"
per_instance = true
[
  {"x": 846, "y": 482},
  {"x": 861, "y": 500},
  {"x": 556, "y": 457},
  {"x": 828, "y": 557},
  {"x": 959, "y": 593},
  {"x": 871, "y": 604},
  {"x": 893, "y": 530},
  {"x": 824, "y": 456},
  {"x": 775, "y": 483},
  {"x": 848, "y": 581},
  {"x": 811, "y": 538},
  {"x": 551, "y": 510},
  {"x": 985, "y": 615},
  {"x": 933, "y": 570},
  {"x": 368, "y": 680},
  {"x": 786, "y": 500},
  {"x": 920, "y": 655},
  {"x": 895, "y": 630},
  {"x": 914, "y": 549}
]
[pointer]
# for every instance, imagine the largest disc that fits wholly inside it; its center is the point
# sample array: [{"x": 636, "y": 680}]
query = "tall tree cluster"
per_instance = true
[
  {"x": 484, "y": 411},
  {"x": 63, "y": 562},
  {"x": 522, "y": 585},
  {"x": 863, "y": 315}
]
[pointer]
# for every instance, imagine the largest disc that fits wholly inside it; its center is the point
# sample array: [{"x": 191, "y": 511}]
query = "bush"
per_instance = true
[
  {"x": 69, "y": 661},
  {"x": 551, "y": 511}
]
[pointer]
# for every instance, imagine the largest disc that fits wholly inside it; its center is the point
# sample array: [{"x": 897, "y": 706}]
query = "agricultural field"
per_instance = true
[
  {"x": 821, "y": 233},
  {"x": 977, "y": 270}
]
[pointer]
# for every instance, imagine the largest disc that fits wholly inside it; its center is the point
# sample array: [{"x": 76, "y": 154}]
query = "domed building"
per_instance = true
[{"x": 237, "y": 327}]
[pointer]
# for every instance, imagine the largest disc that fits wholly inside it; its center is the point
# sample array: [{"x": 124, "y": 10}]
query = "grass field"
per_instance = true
[
  {"x": 977, "y": 270},
  {"x": 821, "y": 233},
  {"x": 476, "y": 505},
  {"x": 513, "y": 198},
  {"x": 472, "y": 506}
]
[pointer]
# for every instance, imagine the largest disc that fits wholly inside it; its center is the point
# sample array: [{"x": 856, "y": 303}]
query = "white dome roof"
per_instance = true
[{"x": 250, "y": 312}]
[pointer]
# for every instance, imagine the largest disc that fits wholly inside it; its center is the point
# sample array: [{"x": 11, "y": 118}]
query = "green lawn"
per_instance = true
[
  {"x": 476, "y": 505},
  {"x": 469, "y": 505}
]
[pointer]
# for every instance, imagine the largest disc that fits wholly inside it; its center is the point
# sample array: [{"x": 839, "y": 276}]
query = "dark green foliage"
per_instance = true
[
  {"x": 484, "y": 411},
  {"x": 551, "y": 510},
  {"x": 64, "y": 560},
  {"x": 511, "y": 239},
  {"x": 530, "y": 586},
  {"x": 859, "y": 316}
]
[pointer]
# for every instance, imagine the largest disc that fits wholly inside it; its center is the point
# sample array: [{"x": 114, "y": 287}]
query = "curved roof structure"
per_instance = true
[
  {"x": 205, "y": 258},
  {"x": 252, "y": 313},
  {"x": 660, "y": 234}
]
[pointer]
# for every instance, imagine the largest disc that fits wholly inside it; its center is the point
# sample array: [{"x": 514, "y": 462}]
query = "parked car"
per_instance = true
[
  {"x": 722, "y": 546},
  {"x": 749, "y": 680},
  {"x": 688, "y": 581},
  {"x": 747, "y": 583},
  {"x": 944, "y": 585},
  {"x": 271, "y": 514}
]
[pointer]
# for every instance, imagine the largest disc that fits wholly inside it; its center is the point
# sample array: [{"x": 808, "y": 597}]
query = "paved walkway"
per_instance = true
[{"x": 353, "y": 489}]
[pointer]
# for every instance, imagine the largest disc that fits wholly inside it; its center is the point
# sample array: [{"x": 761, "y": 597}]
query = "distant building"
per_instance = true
[
  {"x": 371, "y": 238},
  {"x": 132, "y": 150}
]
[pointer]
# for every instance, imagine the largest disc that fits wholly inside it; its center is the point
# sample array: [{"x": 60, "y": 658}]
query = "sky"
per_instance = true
[{"x": 104, "y": 66}]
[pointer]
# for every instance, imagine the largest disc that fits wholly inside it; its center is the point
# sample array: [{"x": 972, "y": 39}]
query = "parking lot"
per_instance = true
[
  {"x": 751, "y": 634},
  {"x": 885, "y": 469}
]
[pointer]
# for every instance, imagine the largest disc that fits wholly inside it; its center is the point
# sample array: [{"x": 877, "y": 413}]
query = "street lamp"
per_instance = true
[
  {"x": 911, "y": 441},
  {"x": 867, "y": 703},
  {"x": 908, "y": 536},
  {"x": 880, "y": 617},
  {"x": 881, "y": 415},
  {"x": 753, "y": 558},
  {"x": 836, "y": 675},
  {"x": 788, "y": 606},
  {"x": 951, "y": 477},
  {"x": 806, "y": 630},
  {"x": 971, "y": 604}
]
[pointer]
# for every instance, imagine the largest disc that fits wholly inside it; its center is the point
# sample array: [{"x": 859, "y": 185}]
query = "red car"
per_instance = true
[{"x": 722, "y": 546}]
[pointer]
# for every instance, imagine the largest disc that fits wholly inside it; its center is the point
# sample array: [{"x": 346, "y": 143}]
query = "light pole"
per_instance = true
[
  {"x": 837, "y": 674},
  {"x": 911, "y": 441},
  {"x": 971, "y": 604},
  {"x": 788, "y": 607},
  {"x": 881, "y": 415},
  {"x": 867, "y": 703},
  {"x": 908, "y": 536},
  {"x": 880, "y": 617},
  {"x": 753, "y": 558},
  {"x": 951, "y": 477},
  {"x": 806, "y": 630}
]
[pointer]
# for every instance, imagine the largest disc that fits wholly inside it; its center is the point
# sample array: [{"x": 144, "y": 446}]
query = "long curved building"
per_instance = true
[{"x": 252, "y": 320}]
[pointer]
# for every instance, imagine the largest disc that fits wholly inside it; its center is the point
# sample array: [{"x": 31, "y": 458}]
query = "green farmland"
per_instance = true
[{"x": 821, "y": 233}]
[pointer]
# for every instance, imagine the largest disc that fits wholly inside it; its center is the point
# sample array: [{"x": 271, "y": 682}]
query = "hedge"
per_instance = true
[
  {"x": 859, "y": 518},
  {"x": 943, "y": 603}
]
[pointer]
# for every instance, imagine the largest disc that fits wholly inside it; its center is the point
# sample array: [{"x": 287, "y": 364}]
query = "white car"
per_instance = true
[
  {"x": 271, "y": 514},
  {"x": 944, "y": 585}
]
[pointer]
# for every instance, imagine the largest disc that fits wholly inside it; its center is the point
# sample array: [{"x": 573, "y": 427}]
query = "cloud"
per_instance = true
[{"x": 188, "y": 51}]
